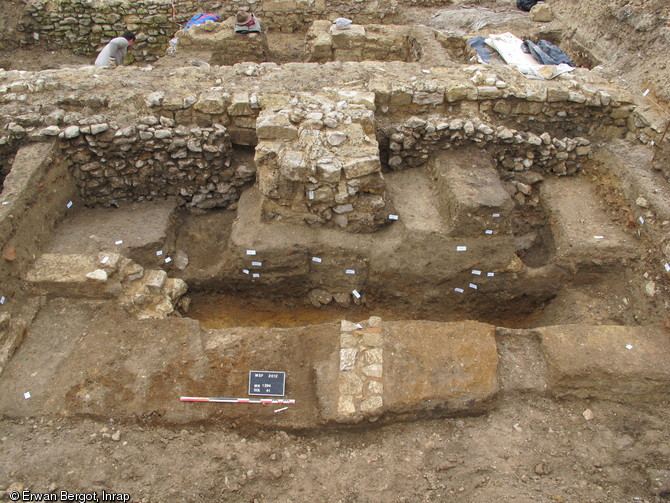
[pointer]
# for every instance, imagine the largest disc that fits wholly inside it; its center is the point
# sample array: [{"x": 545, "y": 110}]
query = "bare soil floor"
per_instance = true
[{"x": 530, "y": 449}]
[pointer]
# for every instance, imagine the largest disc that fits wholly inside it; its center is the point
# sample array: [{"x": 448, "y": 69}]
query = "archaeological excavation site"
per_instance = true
[{"x": 380, "y": 251}]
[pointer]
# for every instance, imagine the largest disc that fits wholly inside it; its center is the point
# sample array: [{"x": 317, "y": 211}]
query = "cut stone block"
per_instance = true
[
  {"x": 584, "y": 234},
  {"x": 276, "y": 126},
  {"x": 70, "y": 276},
  {"x": 352, "y": 38},
  {"x": 608, "y": 361},
  {"x": 470, "y": 192}
]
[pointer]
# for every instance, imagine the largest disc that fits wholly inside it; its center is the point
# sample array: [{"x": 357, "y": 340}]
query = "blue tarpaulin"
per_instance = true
[{"x": 201, "y": 19}]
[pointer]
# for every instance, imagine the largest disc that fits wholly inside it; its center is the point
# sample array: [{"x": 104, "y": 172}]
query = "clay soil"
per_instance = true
[{"x": 528, "y": 448}]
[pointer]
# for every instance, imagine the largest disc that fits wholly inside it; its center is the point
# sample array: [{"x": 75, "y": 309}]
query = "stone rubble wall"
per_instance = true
[
  {"x": 190, "y": 123},
  {"x": 414, "y": 142},
  {"x": 84, "y": 27},
  {"x": 324, "y": 42},
  {"x": 318, "y": 162},
  {"x": 155, "y": 158},
  {"x": 568, "y": 104}
]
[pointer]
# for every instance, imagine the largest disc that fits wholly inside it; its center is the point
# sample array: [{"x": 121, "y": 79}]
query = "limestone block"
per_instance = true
[
  {"x": 212, "y": 101},
  {"x": 608, "y": 361},
  {"x": 348, "y": 39},
  {"x": 375, "y": 387},
  {"x": 358, "y": 98},
  {"x": 275, "y": 126},
  {"x": 372, "y": 340},
  {"x": 432, "y": 98},
  {"x": 556, "y": 94},
  {"x": 372, "y": 404},
  {"x": 240, "y": 105},
  {"x": 346, "y": 406},
  {"x": 293, "y": 166},
  {"x": 375, "y": 355},
  {"x": 460, "y": 92},
  {"x": 400, "y": 96},
  {"x": 374, "y": 370},
  {"x": 155, "y": 279},
  {"x": 320, "y": 297},
  {"x": 361, "y": 166},
  {"x": 348, "y": 358},
  {"x": 70, "y": 275},
  {"x": 174, "y": 288},
  {"x": 350, "y": 384},
  {"x": 329, "y": 169}
]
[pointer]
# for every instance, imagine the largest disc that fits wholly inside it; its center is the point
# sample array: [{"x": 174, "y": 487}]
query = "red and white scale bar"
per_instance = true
[{"x": 289, "y": 401}]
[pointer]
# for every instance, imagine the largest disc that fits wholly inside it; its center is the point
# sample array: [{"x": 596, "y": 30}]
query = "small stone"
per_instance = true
[
  {"x": 343, "y": 208},
  {"x": 541, "y": 12},
  {"x": 348, "y": 358},
  {"x": 346, "y": 406},
  {"x": 540, "y": 469},
  {"x": 97, "y": 275},
  {"x": 154, "y": 99},
  {"x": 50, "y": 131},
  {"x": 374, "y": 370},
  {"x": 71, "y": 132},
  {"x": 642, "y": 202},
  {"x": 588, "y": 414},
  {"x": 9, "y": 254},
  {"x": 650, "y": 289},
  {"x": 372, "y": 404},
  {"x": 336, "y": 138},
  {"x": 320, "y": 297},
  {"x": 116, "y": 436},
  {"x": 99, "y": 128}
]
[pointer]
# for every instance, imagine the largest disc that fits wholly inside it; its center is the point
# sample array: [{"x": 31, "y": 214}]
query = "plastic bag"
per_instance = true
[{"x": 342, "y": 23}]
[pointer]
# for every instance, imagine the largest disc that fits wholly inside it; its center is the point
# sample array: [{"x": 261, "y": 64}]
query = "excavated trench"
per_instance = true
[{"x": 478, "y": 237}]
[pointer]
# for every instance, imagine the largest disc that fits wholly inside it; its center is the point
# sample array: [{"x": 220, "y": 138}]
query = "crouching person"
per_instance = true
[
  {"x": 114, "y": 52},
  {"x": 246, "y": 22}
]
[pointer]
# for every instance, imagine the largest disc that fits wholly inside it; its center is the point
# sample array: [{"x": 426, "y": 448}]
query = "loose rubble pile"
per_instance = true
[{"x": 318, "y": 162}]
